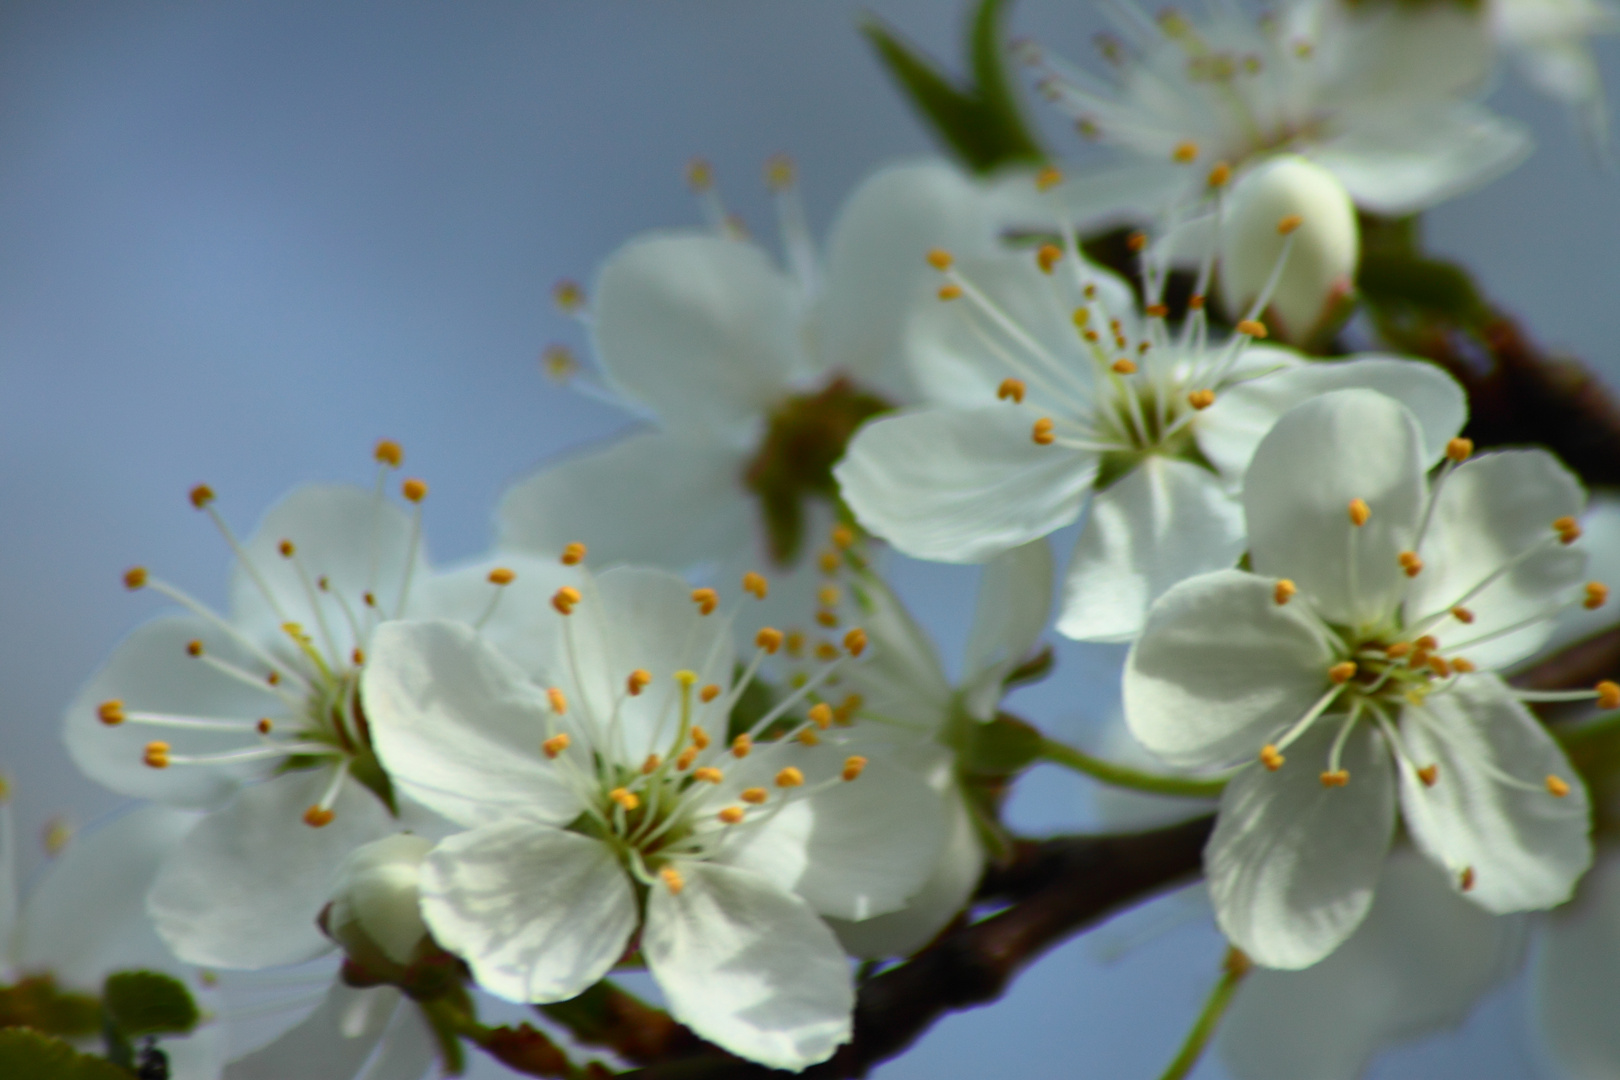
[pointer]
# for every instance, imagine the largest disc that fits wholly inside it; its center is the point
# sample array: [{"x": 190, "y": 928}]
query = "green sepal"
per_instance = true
[
  {"x": 1411, "y": 283},
  {"x": 139, "y": 1003},
  {"x": 26, "y": 1054},
  {"x": 981, "y": 123},
  {"x": 1001, "y": 747},
  {"x": 37, "y": 1002}
]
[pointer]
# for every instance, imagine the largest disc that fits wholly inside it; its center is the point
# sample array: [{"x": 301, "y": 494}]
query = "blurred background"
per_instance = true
[{"x": 239, "y": 243}]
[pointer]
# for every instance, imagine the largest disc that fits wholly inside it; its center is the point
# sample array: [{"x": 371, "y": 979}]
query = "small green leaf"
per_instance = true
[
  {"x": 148, "y": 1003},
  {"x": 26, "y": 1054}
]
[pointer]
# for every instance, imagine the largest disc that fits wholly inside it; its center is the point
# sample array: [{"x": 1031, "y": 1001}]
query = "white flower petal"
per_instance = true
[
  {"x": 1526, "y": 849},
  {"x": 1229, "y": 430},
  {"x": 521, "y": 623},
  {"x": 1577, "y": 978},
  {"x": 1220, "y": 669},
  {"x": 409, "y": 1048},
  {"x": 1163, "y": 522},
  {"x": 1293, "y": 863},
  {"x": 151, "y": 671},
  {"x": 334, "y": 1041},
  {"x": 244, "y": 887},
  {"x": 1417, "y": 964},
  {"x": 703, "y": 331},
  {"x": 749, "y": 967},
  {"x": 677, "y": 499},
  {"x": 1015, "y": 599},
  {"x": 1396, "y": 161},
  {"x": 941, "y": 898},
  {"x": 962, "y": 486},
  {"x": 1321, "y": 455},
  {"x": 1094, "y": 199},
  {"x": 459, "y": 727},
  {"x": 634, "y": 618},
  {"x": 354, "y": 538},
  {"x": 540, "y": 914},
  {"x": 876, "y": 268},
  {"x": 1395, "y": 56},
  {"x": 1490, "y": 510},
  {"x": 858, "y": 849},
  {"x": 899, "y": 677}
]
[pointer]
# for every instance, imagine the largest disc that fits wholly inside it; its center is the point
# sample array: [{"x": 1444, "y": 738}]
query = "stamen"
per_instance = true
[
  {"x": 1462, "y": 614},
  {"x": 1042, "y": 432},
  {"x": 627, "y": 799},
  {"x": 1047, "y": 257},
  {"x": 1219, "y": 175},
  {"x": 700, "y": 738},
  {"x": 853, "y": 766},
  {"x": 1342, "y": 672},
  {"x": 1253, "y": 328},
  {"x": 855, "y": 641},
  {"x": 1335, "y": 778},
  {"x": 638, "y": 681},
  {"x": 1284, "y": 592},
  {"x": 388, "y": 452},
  {"x": 1048, "y": 178},
  {"x": 1359, "y": 512},
  {"x": 502, "y": 576},
  {"x": 709, "y": 774},
  {"x": 555, "y": 745},
  {"x": 731, "y": 815},
  {"x": 789, "y": 777},
  {"x": 706, "y": 599},
  {"x": 1608, "y": 694},
  {"x": 1011, "y": 390},
  {"x": 573, "y": 554},
  {"x": 688, "y": 756},
  {"x": 1201, "y": 399},
  {"x": 821, "y": 715},
  {"x": 568, "y": 296},
  {"x": 1597, "y": 594},
  {"x": 769, "y": 638},
  {"x": 564, "y": 599},
  {"x": 808, "y": 736},
  {"x": 1429, "y": 775},
  {"x": 1465, "y": 880},
  {"x": 1185, "y": 153},
  {"x": 709, "y": 693},
  {"x": 315, "y": 817},
  {"x": 940, "y": 259},
  {"x": 1288, "y": 224},
  {"x": 829, "y": 562},
  {"x": 1460, "y": 449},
  {"x": 156, "y": 754},
  {"x": 1557, "y": 787},
  {"x": 742, "y": 745},
  {"x": 201, "y": 496},
  {"x": 950, "y": 291},
  {"x": 1462, "y": 665},
  {"x": 1568, "y": 530},
  {"x": 1123, "y": 366},
  {"x": 1271, "y": 758},
  {"x": 135, "y": 578},
  {"x": 755, "y": 585},
  {"x": 1410, "y": 563},
  {"x": 557, "y": 699},
  {"x": 414, "y": 490},
  {"x": 111, "y": 712}
]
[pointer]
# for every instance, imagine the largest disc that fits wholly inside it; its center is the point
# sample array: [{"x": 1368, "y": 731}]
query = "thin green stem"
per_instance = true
[
  {"x": 1179, "y": 787},
  {"x": 1234, "y": 967}
]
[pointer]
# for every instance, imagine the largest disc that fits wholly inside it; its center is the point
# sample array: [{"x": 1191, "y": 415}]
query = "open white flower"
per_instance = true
[
  {"x": 910, "y": 712},
  {"x": 613, "y": 811},
  {"x": 1375, "y": 93},
  {"x": 1150, "y": 428},
  {"x": 754, "y": 377},
  {"x": 1351, "y": 661},
  {"x": 255, "y": 716}
]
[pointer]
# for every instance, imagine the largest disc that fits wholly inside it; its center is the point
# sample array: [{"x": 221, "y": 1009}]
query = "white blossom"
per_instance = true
[
  {"x": 609, "y": 810},
  {"x": 1353, "y": 662}
]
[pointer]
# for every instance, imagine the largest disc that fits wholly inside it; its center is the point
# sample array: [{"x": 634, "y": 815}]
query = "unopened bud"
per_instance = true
[
  {"x": 1289, "y": 201},
  {"x": 374, "y": 908}
]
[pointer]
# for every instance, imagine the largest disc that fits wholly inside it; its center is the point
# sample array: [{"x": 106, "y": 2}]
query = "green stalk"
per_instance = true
[
  {"x": 1123, "y": 776},
  {"x": 1235, "y": 966}
]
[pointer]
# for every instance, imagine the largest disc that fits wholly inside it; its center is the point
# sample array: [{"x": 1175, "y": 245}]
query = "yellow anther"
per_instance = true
[
  {"x": 1462, "y": 665},
  {"x": 1359, "y": 512},
  {"x": 627, "y": 799},
  {"x": 940, "y": 259},
  {"x": 842, "y": 537},
  {"x": 502, "y": 575},
  {"x": 1048, "y": 178},
  {"x": 389, "y": 452},
  {"x": 789, "y": 777},
  {"x": 287, "y": 549},
  {"x": 1428, "y": 642},
  {"x": 1557, "y": 787},
  {"x": 1196, "y": 302},
  {"x": 794, "y": 642},
  {"x": 1429, "y": 774},
  {"x": 709, "y": 693},
  {"x": 755, "y": 585},
  {"x": 731, "y": 815},
  {"x": 1335, "y": 778},
  {"x": 1157, "y": 311},
  {"x": 769, "y": 638},
  {"x": 1201, "y": 399},
  {"x": 829, "y": 619},
  {"x": 1011, "y": 390},
  {"x": 855, "y": 641},
  {"x": 754, "y": 795},
  {"x": 829, "y": 561},
  {"x": 558, "y": 362},
  {"x": 708, "y": 774},
  {"x": 156, "y": 754},
  {"x": 1465, "y": 880},
  {"x": 135, "y": 578},
  {"x": 1047, "y": 256},
  {"x": 700, "y": 738},
  {"x": 1270, "y": 758},
  {"x": 1123, "y": 366},
  {"x": 826, "y": 651},
  {"x": 821, "y": 715},
  {"x": 1568, "y": 529},
  {"x": 564, "y": 599},
  {"x": 1042, "y": 432},
  {"x": 672, "y": 880},
  {"x": 688, "y": 755},
  {"x": 854, "y": 765},
  {"x": 558, "y": 700},
  {"x": 1342, "y": 672},
  {"x": 742, "y": 745},
  {"x": 1608, "y": 694},
  {"x": 1219, "y": 175},
  {"x": 699, "y": 174},
  {"x": 274, "y": 678},
  {"x": 201, "y": 496},
  {"x": 110, "y": 712},
  {"x": 1462, "y": 614},
  {"x": 638, "y": 681},
  {"x": 706, "y": 599},
  {"x": 1597, "y": 594},
  {"x": 1136, "y": 241},
  {"x": 317, "y": 817},
  {"x": 1185, "y": 153},
  {"x": 573, "y": 554},
  {"x": 1253, "y": 328},
  {"x": 779, "y": 172},
  {"x": 1439, "y": 665},
  {"x": 1081, "y": 316},
  {"x": 555, "y": 745},
  {"x": 650, "y": 765},
  {"x": 949, "y": 291},
  {"x": 828, "y": 596},
  {"x": 1284, "y": 591},
  {"x": 264, "y": 725},
  {"x": 1286, "y": 225},
  {"x": 1398, "y": 650},
  {"x": 1460, "y": 449},
  {"x": 414, "y": 490}
]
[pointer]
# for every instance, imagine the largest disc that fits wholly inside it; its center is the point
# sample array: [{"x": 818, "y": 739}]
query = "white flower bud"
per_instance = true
[
  {"x": 1287, "y": 201},
  {"x": 374, "y": 903}
]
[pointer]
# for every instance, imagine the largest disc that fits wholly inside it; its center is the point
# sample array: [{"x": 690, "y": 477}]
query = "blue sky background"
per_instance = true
[{"x": 241, "y": 242}]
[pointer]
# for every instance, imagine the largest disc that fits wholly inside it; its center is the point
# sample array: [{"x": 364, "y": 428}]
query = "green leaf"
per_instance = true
[
  {"x": 148, "y": 1003},
  {"x": 1429, "y": 286},
  {"x": 980, "y": 122},
  {"x": 29, "y": 1055},
  {"x": 38, "y": 1003}
]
